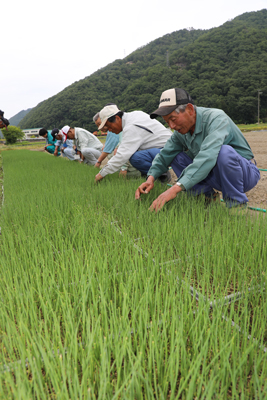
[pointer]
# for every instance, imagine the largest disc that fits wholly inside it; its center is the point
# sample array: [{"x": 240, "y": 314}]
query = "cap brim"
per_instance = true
[
  {"x": 103, "y": 123},
  {"x": 162, "y": 111}
]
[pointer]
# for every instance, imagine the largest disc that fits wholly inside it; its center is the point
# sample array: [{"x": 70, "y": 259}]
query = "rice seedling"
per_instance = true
[{"x": 102, "y": 299}]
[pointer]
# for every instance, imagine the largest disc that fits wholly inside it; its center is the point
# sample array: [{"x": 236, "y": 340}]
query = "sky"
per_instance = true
[{"x": 47, "y": 46}]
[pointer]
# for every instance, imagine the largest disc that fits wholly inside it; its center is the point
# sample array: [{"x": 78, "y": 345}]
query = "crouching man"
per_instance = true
[
  {"x": 206, "y": 151},
  {"x": 87, "y": 144},
  {"x": 142, "y": 139}
]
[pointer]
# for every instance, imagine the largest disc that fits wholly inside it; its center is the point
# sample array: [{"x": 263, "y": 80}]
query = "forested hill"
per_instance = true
[
  {"x": 222, "y": 67},
  {"x": 15, "y": 120}
]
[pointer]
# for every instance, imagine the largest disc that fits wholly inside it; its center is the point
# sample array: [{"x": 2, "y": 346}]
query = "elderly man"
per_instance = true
[
  {"x": 206, "y": 151},
  {"x": 87, "y": 144},
  {"x": 142, "y": 139},
  {"x": 112, "y": 141}
]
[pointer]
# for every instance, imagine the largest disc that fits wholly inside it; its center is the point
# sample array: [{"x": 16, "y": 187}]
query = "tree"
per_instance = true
[{"x": 12, "y": 134}]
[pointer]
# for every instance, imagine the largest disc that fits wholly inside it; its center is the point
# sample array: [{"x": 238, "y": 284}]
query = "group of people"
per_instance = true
[{"x": 206, "y": 151}]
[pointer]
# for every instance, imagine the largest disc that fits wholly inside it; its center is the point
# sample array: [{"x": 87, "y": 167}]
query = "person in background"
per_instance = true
[
  {"x": 111, "y": 143},
  {"x": 66, "y": 147},
  {"x": 142, "y": 140},
  {"x": 207, "y": 151},
  {"x": 50, "y": 141},
  {"x": 3, "y": 121},
  {"x": 88, "y": 145}
]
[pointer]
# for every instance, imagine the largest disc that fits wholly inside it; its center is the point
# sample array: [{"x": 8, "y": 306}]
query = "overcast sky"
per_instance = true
[{"x": 46, "y": 46}]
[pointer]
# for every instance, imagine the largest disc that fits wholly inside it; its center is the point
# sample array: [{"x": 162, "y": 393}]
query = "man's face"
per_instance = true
[
  {"x": 98, "y": 122},
  {"x": 116, "y": 126},
  {"x": 58, "y": 136},
  {"x": 71, "y": 134},
  {"x": 182, "y": 122}
]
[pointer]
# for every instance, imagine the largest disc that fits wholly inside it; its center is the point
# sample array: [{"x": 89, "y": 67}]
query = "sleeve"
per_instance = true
[
  {"x": 110, "y": 144},
  {"x": 217, "y": 131},
  {"x": 163, "y": 159}
]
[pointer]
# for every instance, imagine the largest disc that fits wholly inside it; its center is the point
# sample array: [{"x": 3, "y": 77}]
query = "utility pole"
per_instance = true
[{"x": 259, "y": 93}]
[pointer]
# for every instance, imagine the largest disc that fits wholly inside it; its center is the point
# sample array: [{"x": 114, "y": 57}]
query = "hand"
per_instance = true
[
  {"x": 97, "y": 164},
  {"x": 165, "y": 197},
  {"x": 98, "y": 178},
  {"x": 145, "y": 187},
  {"x": 123, "y": 174},
  {"x": 55, "y": 153}
]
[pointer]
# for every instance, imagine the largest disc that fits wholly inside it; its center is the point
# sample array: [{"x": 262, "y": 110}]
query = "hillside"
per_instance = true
[
  {"x": 222, "y": 67},
  {"x": 15, "y": 120}
]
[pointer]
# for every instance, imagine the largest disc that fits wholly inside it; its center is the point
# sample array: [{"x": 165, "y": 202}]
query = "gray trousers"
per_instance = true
[
  {"x": 69, "y": 153},
  {"x": 90, "y": 155}
]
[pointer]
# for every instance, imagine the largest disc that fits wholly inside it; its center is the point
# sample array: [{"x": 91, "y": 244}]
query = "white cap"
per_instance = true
[
  {"x": 106, "y": 113},
  {"x": 65, "y": 130}
]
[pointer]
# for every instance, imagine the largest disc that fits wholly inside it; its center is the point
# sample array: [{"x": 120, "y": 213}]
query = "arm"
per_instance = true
[
  {"x": 166, "y": 196},
  {"x": 102, "y": 157},
  {"x": 162, "y": 161},
  {"x": 216, "y": 133},
  {"x": 56, "y": 151}
]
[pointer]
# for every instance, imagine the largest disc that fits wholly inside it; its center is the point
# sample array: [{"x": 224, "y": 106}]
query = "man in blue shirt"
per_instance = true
[
  {"x": 50, "y": 141},
  {"x": 112, "y": 141},
  {"x": 207, "y": 150}
]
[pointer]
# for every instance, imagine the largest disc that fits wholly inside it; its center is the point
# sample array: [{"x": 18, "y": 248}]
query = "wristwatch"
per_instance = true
[{"x": 181, "y": 185}]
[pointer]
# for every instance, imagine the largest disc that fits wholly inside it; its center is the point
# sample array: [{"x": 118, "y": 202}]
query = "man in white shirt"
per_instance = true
[
  {"x": 142, "y": 139},
  {"x": 87, "y": 144}
]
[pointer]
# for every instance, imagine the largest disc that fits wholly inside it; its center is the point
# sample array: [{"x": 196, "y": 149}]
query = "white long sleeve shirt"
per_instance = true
[
  {"x": 139, "y": 132},
  {"x": 83, "y": 139}
]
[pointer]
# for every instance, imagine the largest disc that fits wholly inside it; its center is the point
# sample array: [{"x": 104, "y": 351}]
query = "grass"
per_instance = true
[
  {"x": 101, "y": 299},
  {"x": 253, "y": 127}
]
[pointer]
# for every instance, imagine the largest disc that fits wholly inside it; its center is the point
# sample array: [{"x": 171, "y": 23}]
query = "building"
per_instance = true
[{"x": 32, "y": 134}]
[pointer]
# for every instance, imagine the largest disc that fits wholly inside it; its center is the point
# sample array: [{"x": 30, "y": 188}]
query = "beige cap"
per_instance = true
[{"x": 106, "y": 113}]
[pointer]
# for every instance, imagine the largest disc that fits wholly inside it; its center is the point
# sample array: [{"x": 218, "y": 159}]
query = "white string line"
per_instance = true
[{"x": 237, "y": 327}]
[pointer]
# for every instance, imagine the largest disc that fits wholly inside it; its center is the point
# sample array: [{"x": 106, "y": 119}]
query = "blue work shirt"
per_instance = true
[{"x": 111, "y": 142}]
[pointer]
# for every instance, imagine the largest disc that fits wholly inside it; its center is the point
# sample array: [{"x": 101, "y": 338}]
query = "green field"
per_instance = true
[{"x": 102, "y": 299}]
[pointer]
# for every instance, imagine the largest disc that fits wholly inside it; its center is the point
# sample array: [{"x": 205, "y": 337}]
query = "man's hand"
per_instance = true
[
  {"x": 97, "y": 164},
  {"x": 165, "y": 197},
  {"x": 98, "y": 178},
  {"x": 123, "y": 174},
  {"x": 145, "y": 187}
]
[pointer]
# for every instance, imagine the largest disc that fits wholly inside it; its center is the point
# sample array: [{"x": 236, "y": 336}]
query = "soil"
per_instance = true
[{"x": 258, "y": 142}]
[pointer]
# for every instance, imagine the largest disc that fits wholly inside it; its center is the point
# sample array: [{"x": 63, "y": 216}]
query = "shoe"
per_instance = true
[
  {"x": 215, "y": 197},
  {"x": 165, "y": 178}
]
